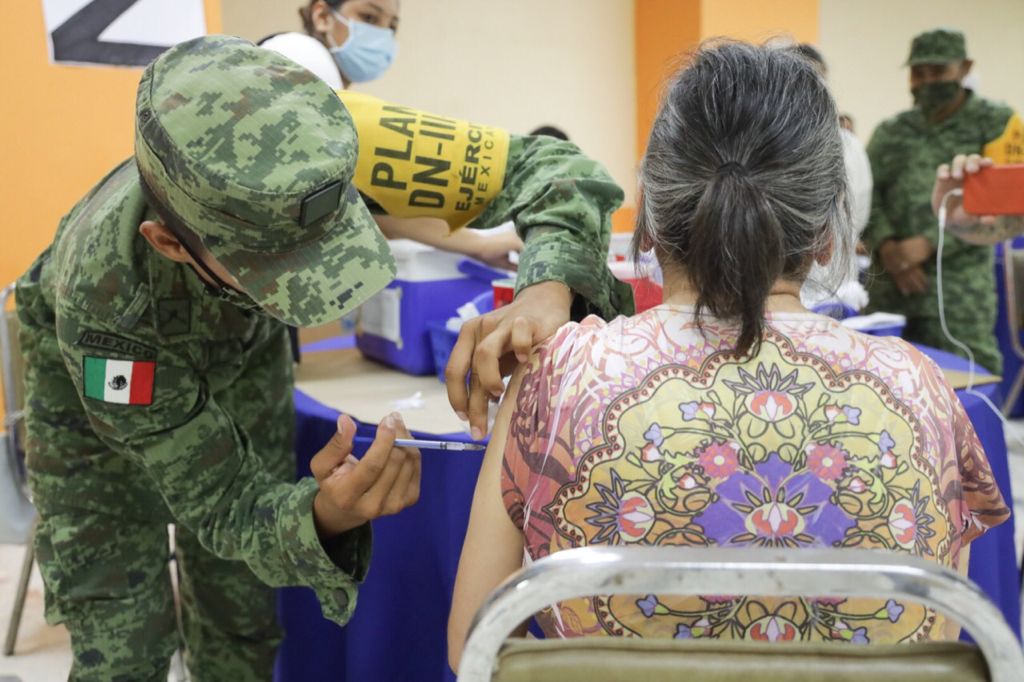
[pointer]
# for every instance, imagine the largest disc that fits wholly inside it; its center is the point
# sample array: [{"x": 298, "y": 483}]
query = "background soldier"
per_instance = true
[{"x": 902, "y": 233}]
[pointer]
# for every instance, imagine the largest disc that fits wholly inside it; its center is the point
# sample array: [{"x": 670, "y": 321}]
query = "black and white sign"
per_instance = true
[{"x": 119, "y": 32}]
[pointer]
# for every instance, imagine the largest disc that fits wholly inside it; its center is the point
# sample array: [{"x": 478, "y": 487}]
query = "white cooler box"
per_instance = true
[{"x": 428, "y": 287}]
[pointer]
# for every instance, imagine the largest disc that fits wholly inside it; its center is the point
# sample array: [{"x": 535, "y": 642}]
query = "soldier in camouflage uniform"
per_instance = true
[
  {"x": 158, "y": 374},
  {"x": 902, "y": 233}
]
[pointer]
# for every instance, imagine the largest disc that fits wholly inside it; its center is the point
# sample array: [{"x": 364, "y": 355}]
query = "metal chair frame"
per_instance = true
[
  {"x": 12, "y": 415},
  {"x": 845, "y": 573},
  {"x": 15, "y": 450},
  {"x": 19, "y": 598},
  {"x": 1014, "y": 322}
]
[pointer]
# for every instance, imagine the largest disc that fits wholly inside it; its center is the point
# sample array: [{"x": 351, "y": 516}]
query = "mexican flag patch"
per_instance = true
[{"x": 128, "y": 382}]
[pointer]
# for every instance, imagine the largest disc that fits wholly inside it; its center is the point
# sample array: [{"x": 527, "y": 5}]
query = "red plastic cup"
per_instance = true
[{"x": 504, "y": 292}]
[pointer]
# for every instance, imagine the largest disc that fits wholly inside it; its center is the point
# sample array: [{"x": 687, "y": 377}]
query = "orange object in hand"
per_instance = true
[{"x": 996, "y": 190}]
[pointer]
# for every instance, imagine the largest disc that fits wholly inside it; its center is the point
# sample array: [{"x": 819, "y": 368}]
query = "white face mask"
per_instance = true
[{"x": 367, "y": 53}]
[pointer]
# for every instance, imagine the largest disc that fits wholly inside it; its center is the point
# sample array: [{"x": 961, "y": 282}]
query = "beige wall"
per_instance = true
[
  {"x": 514, "y": 64},
  {"x": 866, "y": 43}
]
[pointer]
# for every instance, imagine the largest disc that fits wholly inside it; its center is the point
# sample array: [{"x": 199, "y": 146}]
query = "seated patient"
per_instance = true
[{"x": 731, "y": 416}]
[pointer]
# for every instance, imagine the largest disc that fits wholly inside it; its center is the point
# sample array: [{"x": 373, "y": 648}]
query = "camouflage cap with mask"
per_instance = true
[
  {"x": 937, "y": 49},
  {"x": 938, "y": 46},
  {"x": 256, "y": 155}
]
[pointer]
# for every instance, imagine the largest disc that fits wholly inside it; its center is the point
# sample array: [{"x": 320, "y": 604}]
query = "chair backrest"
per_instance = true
[
  {"x": 16, "y": 511},
  {"x": 1013, "y": 294},
  {"x": 612, "y": 659},
  {"x": 1017, "y": 263},
  {"x": 12, "y": 373},
  {"x": 771, "y": 573}
]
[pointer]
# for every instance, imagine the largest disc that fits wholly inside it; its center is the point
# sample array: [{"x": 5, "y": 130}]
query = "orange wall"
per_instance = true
[
  {"x": 63, "y": 127},
  {"x": 666, "y": 30},
  {"x": 760, "y": 20}
]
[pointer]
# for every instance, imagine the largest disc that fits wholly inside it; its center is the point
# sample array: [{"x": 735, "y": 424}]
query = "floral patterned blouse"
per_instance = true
[{"x": 648, "y": 431}]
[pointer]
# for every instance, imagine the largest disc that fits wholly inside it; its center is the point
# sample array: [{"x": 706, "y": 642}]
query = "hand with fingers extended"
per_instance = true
[
  {"x": 980, "y": 230},
  {"x": 353, "y": 491},
  {"x": 490, "y": 346},
  {"x": 950, "y": 176}
]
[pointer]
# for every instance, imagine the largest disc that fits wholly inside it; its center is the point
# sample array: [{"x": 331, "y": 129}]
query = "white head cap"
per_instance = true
[{"x": 309, "y": 53}]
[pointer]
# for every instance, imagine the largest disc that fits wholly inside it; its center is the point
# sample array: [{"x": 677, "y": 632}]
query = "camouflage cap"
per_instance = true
[
  {"x": 938, "y": 46},
  {"x": 256, "y": 155}
]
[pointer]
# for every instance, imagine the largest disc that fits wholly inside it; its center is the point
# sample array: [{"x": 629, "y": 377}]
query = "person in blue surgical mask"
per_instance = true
[
  {"x": 345, "y": 41},
  {"x": 353, "y": 41}
]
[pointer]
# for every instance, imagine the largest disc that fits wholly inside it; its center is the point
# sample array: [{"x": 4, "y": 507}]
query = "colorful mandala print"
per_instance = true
[{"x": 778, "y": 453}]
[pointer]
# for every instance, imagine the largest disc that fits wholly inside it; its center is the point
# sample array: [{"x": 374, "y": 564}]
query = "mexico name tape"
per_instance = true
[
  {"x": 416, "y": 164},
  {"x": 108, "y": 343},
  {"x": 128, "y": 382}
]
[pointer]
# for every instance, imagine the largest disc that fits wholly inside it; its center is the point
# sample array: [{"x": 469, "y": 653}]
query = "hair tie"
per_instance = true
[{"x": 731, "y": 167}]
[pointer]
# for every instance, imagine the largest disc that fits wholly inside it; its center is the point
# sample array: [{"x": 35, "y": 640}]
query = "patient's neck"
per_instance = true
[{"x": 784, "y": 296}]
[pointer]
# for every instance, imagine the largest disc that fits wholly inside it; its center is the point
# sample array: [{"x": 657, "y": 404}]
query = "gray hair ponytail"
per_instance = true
[{"x": 743, "y": 181}]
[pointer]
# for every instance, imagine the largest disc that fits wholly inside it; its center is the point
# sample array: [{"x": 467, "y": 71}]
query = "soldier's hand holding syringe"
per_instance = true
[{"x": 353, "y": 490}]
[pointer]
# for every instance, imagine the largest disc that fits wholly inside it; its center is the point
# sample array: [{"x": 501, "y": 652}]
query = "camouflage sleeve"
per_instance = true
[
  {"x": 157, "y": 409},
  {"x": 878, "y": 228},
  {"x": 562, "y": 203},
  {"x": 415, "y": 164}
]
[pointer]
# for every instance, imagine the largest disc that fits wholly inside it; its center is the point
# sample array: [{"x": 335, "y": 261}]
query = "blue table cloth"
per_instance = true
[
  {"x": 399, "y": 630},
  {"x": 993, "y": 564}
]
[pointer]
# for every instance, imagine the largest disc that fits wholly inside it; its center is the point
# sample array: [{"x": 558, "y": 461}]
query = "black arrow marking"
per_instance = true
[{"x": 77, "y": 39}]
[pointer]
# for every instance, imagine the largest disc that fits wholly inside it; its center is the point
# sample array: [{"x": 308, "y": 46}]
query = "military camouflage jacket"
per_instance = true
[
  {"x": 905, "y": 150},
  {"x": 182, "y": 352}
]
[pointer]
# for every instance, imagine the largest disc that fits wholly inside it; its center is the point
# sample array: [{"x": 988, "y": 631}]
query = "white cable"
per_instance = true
[{"x": 972, "y": 365}]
